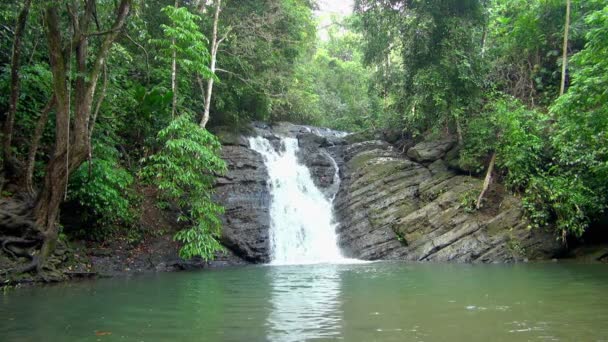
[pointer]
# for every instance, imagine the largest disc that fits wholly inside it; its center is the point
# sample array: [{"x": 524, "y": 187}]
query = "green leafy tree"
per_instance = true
[
  {"x": 184, "y": 170},
  {"x": 184, "y": 46}
]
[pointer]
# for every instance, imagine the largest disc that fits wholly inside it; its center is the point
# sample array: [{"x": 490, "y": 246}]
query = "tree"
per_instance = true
[
  {"x": 9, "y": 122},
  {"x": 72, "y": 136},
  {"x": 575, "y": 190},
  {"x": 258, "y": 61},
  {"x": 215, "y": 45},
  {"x": 184, "y": 170},
  {"x": 562, "y": 86},
  {"x": 185, "y": 45}
]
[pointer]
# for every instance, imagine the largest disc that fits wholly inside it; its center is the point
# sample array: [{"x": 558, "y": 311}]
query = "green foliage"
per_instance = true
[
  {"x": 513, "y": 132},
  {"x": 331, "y": 87},
  {"x": 185, "y": 170},
  {"x": 468, "y": 200},
  {"x": 260, "y": 59},
  {"x": 104, "y": 190},
  {"x": 562, "y": 199},
  {"x": 524, "y": 43},
  {"x": 416, "y": 66},
  {"x": 440, "y": 66},
  {"x": 35, "y": 86},
  {"x": 576, "y": 185},
  {"x": 184, "y": 38}
]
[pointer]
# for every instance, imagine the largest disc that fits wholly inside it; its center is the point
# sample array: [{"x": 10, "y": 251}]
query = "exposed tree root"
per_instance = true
[
  {"x": 19, "y": 236},
  {"x": 9, "y": 240}
]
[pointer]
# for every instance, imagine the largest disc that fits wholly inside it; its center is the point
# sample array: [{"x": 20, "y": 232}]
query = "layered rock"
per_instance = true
[{"x": 391, "y": 207}]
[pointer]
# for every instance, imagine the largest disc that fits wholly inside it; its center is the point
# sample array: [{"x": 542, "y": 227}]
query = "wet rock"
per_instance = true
[
  {"x": 310, "y": 141},
  {"x": 377, "y": 188},
  {"x": 245, "y": 195},
  {"x": 322, "y": 169}
]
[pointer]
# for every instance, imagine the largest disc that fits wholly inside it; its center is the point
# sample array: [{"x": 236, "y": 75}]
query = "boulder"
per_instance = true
[{"x": 429, "y": 151}]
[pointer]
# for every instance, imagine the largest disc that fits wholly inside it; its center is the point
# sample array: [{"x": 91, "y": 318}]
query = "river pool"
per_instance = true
[{"x": 360, "y": 302}]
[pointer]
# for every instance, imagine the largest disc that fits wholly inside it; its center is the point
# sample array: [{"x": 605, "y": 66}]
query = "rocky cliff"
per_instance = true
[
  {"x": 395, "y": 205},
  {"x": 390, "y": 203},
  {"x": 245, "y": 195}
]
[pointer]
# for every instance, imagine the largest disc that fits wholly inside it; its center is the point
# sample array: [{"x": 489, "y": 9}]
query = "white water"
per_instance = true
[{"x": 302, "y": 230}]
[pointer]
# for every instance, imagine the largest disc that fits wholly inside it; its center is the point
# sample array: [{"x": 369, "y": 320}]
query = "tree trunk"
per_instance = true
[
  {"x": 174, "y": 74},
  {"x": 487, "y": 181},
  {"x": 102, "y": 96},
  {"x": 47, "y": 204},
  {"x": 9, "y": 122},
  {"x": 214, "y": 47},
  {"x": 562, "y": 87},
  {"x": 31, "y": 157}
]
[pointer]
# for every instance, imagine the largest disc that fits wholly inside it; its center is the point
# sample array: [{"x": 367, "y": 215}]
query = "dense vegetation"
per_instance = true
[
  {"x": 100, "y": 98},
  {"x": 491, "y": 72}
]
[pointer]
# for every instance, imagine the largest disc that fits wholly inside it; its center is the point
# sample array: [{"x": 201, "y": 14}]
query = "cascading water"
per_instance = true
[{"x": 301, "y": 229}]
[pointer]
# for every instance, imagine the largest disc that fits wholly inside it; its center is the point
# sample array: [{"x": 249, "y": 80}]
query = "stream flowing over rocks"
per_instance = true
[{"x": 390, "y": 203}]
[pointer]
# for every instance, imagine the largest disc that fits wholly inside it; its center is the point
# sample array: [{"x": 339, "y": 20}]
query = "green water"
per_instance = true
[{"x": 365, "y": 302}]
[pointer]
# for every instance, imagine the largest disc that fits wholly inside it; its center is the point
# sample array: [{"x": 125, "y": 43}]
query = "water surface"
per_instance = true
[{"x": 363, "y": 302}]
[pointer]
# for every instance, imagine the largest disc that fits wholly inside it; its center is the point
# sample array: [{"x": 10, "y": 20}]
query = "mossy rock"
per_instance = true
[
  {"x": 361, "y": 137},
  {"x": 232, "y": 135}
]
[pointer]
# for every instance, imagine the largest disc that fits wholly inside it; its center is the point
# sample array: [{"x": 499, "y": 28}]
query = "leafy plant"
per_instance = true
[
  {"x": 184, "y": 170},
  {"x": 468, "y": 199}
]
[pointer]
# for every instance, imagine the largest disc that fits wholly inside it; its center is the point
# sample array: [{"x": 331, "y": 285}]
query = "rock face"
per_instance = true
[
  {"x": 245, "y": 195},
  {"x": 391, "y": 207},
  {"x": 389, "y": 204}
]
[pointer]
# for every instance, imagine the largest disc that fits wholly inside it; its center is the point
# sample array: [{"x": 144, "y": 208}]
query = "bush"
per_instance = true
[{"x": 105, "y": 192}]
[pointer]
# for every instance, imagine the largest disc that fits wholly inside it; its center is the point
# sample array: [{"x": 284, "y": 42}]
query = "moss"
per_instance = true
[
  {"x": 468, "y": 200},
  {"x": 388, "y": 167},
  {"x": 401, "y": 238},
  {"x": 407, "y": 208},
  {"x": 231, "y": 135},
  {"x": 360, "y": 137},
  {"x": 360, "y": 160},
  {"x": 413, "y": 236},
  {"x": 380, "y": 171},
  {"x": 514, "y": 246}
]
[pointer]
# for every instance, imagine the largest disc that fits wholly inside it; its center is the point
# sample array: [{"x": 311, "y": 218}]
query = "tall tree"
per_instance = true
[
  {"x": 215, "y": 45},
  {"x": 174, "y": 71},
  {"x": 9, "y": 122},
  {"x": 71, "y": 129},
  {"x": 562, "y": 86}
]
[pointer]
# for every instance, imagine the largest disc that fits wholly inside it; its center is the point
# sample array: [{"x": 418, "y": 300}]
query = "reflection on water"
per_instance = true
[
  {"x": 305, "y": 303},
  {"x": 361, "y": 302}
]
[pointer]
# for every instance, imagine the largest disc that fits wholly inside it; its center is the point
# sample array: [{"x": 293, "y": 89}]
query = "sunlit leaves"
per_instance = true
[{"x": 183, "y": 37}]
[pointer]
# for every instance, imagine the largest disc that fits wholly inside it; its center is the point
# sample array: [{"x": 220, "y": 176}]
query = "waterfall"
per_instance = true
[{"x": 302, "y": 230}]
